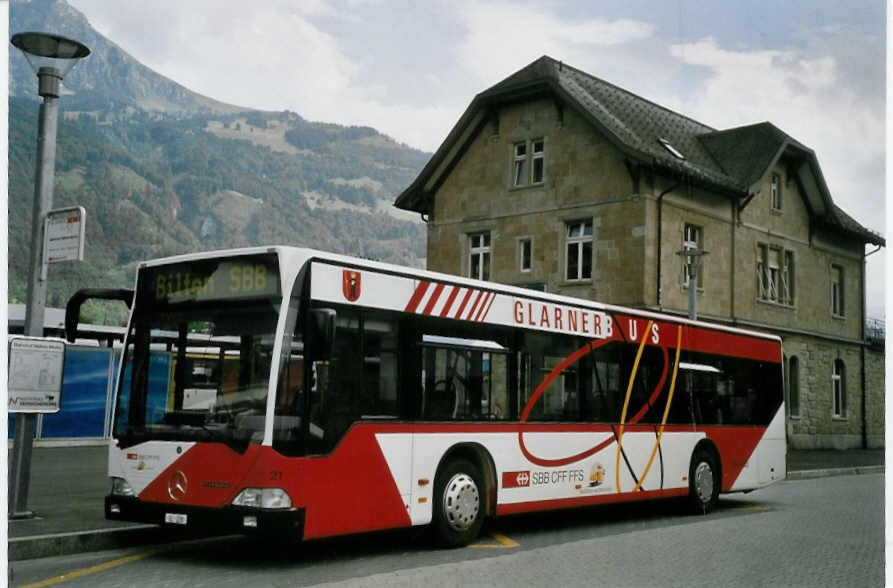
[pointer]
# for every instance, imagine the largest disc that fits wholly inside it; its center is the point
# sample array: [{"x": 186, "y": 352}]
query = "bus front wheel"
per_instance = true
[
  {"x": 458, "y": 504},
  {"x": 703, "y": 482}
]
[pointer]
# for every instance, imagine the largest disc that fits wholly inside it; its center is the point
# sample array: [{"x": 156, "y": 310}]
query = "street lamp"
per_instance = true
[
  {"x": 51, "y": 57},
  {"x": 693, "y": 257}
]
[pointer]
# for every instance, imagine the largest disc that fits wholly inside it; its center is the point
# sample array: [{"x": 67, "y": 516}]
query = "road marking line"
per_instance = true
[
  {"x": 87, "y": 571},
  {"x": 504, "y": 543}
]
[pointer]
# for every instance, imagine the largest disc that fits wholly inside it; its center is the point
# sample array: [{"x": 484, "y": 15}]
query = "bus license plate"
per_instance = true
[{"x": 175, "y": 518}]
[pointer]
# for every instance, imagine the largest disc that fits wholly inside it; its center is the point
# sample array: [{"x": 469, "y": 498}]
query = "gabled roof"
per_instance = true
[
  {"x": 749, "y": 152},
  {"x": 746, "y": 152},
  {"x": 731, "y": 162}
]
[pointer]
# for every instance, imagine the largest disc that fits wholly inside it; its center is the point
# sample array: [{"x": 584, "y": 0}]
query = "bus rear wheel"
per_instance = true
[
  {"x": 703, "y": 482},
  {"x": 458, "y": 504}
]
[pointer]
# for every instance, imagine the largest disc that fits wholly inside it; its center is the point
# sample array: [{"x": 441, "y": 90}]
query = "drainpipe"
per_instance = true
[
  {"x": 732, "y": 265},
  {"x": 862, "y": 353},
  {"x": 660, "y": 202}
]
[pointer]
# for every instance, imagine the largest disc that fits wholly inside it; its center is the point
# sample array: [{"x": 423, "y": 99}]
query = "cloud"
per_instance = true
[
  {"x": 808, "y": 98},
  {"x": 503, "y": 37},
  {"x": 803, "y": 96}
]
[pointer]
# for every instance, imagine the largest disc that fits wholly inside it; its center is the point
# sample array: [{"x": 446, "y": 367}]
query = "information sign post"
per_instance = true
[
  {"x": 35, "y": 386},
  {"x": 35, "y": 374}
]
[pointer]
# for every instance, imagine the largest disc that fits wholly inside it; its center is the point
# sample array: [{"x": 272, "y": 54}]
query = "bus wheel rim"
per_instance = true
[
  {"x": 704, "y": 482},
  {"x": 461, "y": 502}
]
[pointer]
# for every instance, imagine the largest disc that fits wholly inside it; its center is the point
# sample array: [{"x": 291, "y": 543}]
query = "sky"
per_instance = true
[{"x": 814, "y": 68}]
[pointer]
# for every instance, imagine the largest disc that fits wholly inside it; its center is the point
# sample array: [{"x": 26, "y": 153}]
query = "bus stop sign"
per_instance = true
[
  {"x": 64, "y": 234},
  {"x": 35, "y": 374}
]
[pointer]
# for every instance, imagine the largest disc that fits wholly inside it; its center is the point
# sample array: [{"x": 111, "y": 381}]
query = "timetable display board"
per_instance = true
[{"x": 35, "y": 374}]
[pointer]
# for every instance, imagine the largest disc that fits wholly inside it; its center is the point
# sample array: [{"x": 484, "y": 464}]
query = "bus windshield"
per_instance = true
[{"x": 198, "y": 352}]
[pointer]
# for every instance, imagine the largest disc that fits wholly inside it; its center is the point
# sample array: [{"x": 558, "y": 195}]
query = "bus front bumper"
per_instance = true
[{"x": 228, "y": 519}]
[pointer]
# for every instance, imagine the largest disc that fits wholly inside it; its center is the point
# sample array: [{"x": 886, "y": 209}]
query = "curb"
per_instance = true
[
  {"x": 35, "y": 546},
  {"x": 828, "y": 472}
]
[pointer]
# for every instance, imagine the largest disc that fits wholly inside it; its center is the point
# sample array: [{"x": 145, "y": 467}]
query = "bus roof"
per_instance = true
[{"x": 297, "y": 256}]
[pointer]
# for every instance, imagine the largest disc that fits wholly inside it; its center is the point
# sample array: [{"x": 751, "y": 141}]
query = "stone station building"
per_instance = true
[{"x": 556, "y": 180}]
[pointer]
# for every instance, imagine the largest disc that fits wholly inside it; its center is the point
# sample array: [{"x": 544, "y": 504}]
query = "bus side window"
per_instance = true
[
  {"x": 464, "y": 379},
  {"x": 602, "y": 394},
  {"x": 380, "y": 367},
  {"x": 499, "y": 386},
  {"x": 359, "y": 380},
  {"x": 727, "y": 390},
  {"x": 560, "y": 399}
]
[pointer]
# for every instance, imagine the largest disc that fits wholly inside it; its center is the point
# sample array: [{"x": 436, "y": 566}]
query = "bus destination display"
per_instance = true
[{"x": 250, "y": 277}]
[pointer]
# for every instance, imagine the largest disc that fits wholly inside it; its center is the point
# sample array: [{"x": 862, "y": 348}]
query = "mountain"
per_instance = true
[
  {"x": 163, "y": 170},
  {"x": 108, "y": 77}
]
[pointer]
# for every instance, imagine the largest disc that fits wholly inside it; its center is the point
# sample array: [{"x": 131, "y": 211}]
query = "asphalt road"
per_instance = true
[{"x": 827, "y": 531}]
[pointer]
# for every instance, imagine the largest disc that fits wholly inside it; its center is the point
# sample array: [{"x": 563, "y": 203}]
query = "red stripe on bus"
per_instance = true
[
  {"x": 434, "y": 296},
  {"x": 475, "y": 305},
  {"x": 449, "y": 302},
  {"x": 486, "y": 300},
  {"x": 417, "y": 296},
  {"x": 486, "y": 312},
  {"x": 731, "y": 344},
  {"x": 464, "y": 302}
]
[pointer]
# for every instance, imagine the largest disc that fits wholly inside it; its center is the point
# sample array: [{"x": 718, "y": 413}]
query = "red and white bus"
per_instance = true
[{"x": 289, "y": 390}]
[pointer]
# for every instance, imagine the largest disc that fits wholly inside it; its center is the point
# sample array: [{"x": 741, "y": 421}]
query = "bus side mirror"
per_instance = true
[{"x": 322, "y": 333}]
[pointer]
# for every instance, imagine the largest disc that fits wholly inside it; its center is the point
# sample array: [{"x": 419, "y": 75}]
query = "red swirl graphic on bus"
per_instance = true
[{"x": 566, "y": 363}]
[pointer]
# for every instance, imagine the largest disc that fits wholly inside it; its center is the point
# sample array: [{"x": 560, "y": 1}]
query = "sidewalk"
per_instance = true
[
  {"x": 68, "y": 485},
  {"x": 66, "y": 493}
]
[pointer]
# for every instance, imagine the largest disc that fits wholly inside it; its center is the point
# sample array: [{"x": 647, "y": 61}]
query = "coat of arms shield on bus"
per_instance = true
[{"x": 351, "y": 285}]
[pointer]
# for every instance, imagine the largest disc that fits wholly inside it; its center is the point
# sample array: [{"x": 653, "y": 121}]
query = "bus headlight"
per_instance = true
[
  {"x": 263, "y": 498},
  {"x": 120, "y": 487}
]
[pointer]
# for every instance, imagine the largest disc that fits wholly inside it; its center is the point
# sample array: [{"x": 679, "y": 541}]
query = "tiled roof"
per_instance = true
[
  {"x": 850, "y": 225},
  {"x": 731, "y": 161},
  {"x": 745, "y": 152},
  {"x": 636, "y": 125}
]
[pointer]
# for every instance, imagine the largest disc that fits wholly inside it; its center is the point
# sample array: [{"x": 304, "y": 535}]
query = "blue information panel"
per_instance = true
[{"x": 84, "y": 395}]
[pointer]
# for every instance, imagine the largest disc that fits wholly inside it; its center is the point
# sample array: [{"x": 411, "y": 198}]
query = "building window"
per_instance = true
[
  {"x": 837, "y": 307},
  {"x": 525, "y": 254},
  {"x": 692, "y": 238},
  {"x": 520, "y": 166},
  {"x": 538, "y": 167},
  {"x": 578, "y": 262},
  {"x": 794, "y": 386},
  {"x": 838, "y": 388},
  {"x": 479, "y": 256},
  {"x": 775, "y": 274},
  {"x": 787, "y": 279},
  {"x": 528, "y": 162},
  {"x": 775, "y": 191}
]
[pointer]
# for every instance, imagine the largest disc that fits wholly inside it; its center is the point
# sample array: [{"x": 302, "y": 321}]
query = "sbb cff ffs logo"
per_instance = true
[{"x": 515, "y": 479}]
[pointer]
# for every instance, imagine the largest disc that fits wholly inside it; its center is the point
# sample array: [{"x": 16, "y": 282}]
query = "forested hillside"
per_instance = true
[{"x": 198, "y": 175}]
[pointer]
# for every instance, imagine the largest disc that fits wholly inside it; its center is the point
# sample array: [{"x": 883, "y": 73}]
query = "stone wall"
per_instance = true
[
  {"x": 585, "y": 179},
  {"x": 815, "y": 426},
  {"x": 875, "y": 376}
]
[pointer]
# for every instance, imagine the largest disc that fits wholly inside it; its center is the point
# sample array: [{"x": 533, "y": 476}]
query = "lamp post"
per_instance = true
[
  {"x": 51, "y": 57},
  {"x": 693, "y": 261}
]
